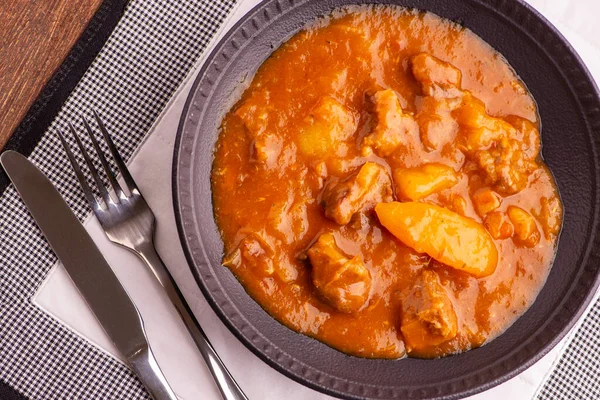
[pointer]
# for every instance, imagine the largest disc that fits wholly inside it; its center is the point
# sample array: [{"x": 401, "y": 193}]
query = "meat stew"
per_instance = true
[{"x": 379, "y": 186}]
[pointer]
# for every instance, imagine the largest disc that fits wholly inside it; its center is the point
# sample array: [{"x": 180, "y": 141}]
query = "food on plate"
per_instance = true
[
  {"x": 394, "y": 128},
  {"x": 418, "y": 182},
  {"x": 379, "y": 186},
  {"x": 360, "y": 192},
  {"x": 343, "y": 282},
  {"x": 458, "y": 242},
  {"x": 427, "y": 316}
]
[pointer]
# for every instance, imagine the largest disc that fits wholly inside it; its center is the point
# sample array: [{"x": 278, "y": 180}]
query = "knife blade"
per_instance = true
[{"x": 88, "y": 270}]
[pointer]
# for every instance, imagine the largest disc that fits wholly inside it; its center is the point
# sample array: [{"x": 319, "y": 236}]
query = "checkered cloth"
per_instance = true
[
  {"x": 576, "y": 375},
  {"x": 154, "y": 46}
]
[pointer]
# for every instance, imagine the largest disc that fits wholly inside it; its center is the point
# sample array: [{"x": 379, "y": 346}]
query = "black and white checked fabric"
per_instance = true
[
  {"x": 152, "y": 49},
  {"x": 577, "y": 374}
]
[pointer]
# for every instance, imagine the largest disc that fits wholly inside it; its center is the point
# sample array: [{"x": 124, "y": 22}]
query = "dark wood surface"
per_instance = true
[{"x": 35, "y": 37}]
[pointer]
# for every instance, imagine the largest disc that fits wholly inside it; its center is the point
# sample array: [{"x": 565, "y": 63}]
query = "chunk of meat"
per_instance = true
[
  {"x": 267, "y": 149},
  {"x": 437, "y": 126},
  {"x": 450, "y": 238},
  {"x": 485, "y": 201},
  {"x": 428, "y": 317},
  {"x": 289, "y": 219},
  {"x": 440, "y": 83},
  {"x": 498, "y": 225},
  {"x": 416, "y": 183},
  {"x": 506, "y": 166},
  {"x": 325, "y": 129},
  {"x": 550, "y": 216},
  {"x": 344, "y": 283},
  {"x": 496, "y": 146},
  {"x": 361, "y": 191},
  {"x": 253, "y": 252},
  {"x": 433, "y": 73},
  {"x": 481, "y": 130},
  {"x": 527, "y": 134},
  {"x": 526, "y": 230},
  {"x": 393, "y": 128},
  {"x": 257, "y": 253},
  {"x": 255, "y": 116}
]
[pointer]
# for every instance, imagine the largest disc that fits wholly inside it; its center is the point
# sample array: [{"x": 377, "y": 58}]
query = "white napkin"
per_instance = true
[{"x": 174, "y": 350}]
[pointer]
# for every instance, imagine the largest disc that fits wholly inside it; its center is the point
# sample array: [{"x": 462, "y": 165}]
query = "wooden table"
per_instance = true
[{"x": 35, "y": 37}]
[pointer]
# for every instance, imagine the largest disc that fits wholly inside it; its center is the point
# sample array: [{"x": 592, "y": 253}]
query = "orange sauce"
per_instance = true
[{"x": 268, "y": 189}]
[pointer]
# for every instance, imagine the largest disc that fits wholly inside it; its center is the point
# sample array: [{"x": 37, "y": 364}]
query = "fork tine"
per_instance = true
[
  {"x": 109, "y": 172},
  {"x": 113, "y": 150},
  {"x": 90, "y": 164},
  {"x": 87, "y": 191}
]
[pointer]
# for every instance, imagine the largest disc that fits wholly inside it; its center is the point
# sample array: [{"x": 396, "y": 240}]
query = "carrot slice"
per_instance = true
[{"x": 450, "y": 238}]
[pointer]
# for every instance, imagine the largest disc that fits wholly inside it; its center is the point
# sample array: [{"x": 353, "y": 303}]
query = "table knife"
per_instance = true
[{"x": 88, "y": 270}]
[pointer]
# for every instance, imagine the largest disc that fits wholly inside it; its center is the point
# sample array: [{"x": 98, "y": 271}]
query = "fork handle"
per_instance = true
[{"x": 228, "y": 387}]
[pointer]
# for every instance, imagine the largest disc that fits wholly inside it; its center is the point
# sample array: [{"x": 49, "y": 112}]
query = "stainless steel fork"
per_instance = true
[{"x": 128, "y": 221}]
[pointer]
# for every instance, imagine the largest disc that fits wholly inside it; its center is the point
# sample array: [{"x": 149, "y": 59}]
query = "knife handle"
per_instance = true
[
  {"x": 147, "y": 370},
  {"x": 228, "y": 387}
]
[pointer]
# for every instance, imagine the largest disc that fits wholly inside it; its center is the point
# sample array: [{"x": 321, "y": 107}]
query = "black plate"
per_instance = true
[{"x": 570, "y": 113}]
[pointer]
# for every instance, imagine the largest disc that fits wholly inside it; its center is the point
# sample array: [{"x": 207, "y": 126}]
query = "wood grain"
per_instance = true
[{"x": 35, "y": 37}]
